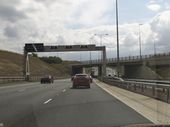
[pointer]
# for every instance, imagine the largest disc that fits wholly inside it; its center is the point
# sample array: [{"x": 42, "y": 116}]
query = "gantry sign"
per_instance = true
[{"x": 40, "y": 47}]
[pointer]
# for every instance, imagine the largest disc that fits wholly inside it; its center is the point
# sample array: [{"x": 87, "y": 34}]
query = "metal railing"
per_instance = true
[
  {"x": 38, "y": 78},
  {"x": 128, "y": 59},
  {"x": 150, "y": 81},
  {"x": 154, "y": 90},
  {"x": 11, "y": 79},
  {"x": 18, "y": 79}
]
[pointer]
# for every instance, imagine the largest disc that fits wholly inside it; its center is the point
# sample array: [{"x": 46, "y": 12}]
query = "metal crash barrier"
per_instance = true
[
  {"x": 19, "y": 79},
  {"x": 11, "y": 79},
  {"x": 154, "y": 90}
]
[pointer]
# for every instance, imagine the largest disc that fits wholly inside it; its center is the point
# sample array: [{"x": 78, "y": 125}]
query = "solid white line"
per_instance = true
[
  {"x": 1, "y": 125},
  {"x": 47, "y": 101},
  {"x": 123, "y": 101},
  {"x": 106, "y": 90}
]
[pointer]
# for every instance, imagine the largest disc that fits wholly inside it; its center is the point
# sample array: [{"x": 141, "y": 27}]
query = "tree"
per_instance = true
[
  {"x": 34, "y": 55},
  {"x": 52, "y": 60}
]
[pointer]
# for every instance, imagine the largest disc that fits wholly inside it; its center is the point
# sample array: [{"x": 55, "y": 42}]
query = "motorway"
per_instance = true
[{"x": 58, "y": 105}]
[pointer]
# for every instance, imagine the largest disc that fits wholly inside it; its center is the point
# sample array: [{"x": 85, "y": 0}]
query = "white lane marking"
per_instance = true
[
  {"x": 1, "y": 125},
  {"x": 64, "y": 90},
  {"x": 107, "y": 91},
  {"x": 137, "y": 107},
  {"x": 47, "y": 101}
]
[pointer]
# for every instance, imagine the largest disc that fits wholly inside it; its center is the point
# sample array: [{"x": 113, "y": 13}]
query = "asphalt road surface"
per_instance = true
[{"x": 58, "y": 105}]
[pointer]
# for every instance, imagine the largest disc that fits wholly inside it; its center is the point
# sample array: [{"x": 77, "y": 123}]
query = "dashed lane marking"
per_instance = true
[
  {"x": 64, "y": 90},
  {"x": 47, "y": 101}
]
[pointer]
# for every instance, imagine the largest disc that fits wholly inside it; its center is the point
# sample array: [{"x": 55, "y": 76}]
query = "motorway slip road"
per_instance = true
[{"x": 58, "y": 105}]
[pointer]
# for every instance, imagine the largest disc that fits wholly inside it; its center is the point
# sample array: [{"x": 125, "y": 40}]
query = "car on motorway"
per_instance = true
[
  {"x": 81, "y": 80},
  {"x": 47, "y": 79}
]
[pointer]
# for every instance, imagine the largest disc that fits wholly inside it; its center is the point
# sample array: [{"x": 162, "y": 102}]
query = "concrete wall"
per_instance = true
[
  {"x": 163, "y": 71},
  {"x": 110, "y": 71},
  {"x": 141, "y": 72}
]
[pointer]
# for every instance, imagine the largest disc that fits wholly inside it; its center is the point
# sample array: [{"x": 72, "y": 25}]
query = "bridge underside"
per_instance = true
[
  {"x": 86, "y": 69},
  {"x": 137, "y": 69}
]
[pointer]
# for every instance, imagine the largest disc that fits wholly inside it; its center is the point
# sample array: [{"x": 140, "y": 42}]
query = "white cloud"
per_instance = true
[
  {"x": 160, "y": 26},
  {"x": 55, "y": 22},
  {"x": 153, "y": 6},
  {"x": 91, "y": 13},
  {"x": 167, "y": 5}
]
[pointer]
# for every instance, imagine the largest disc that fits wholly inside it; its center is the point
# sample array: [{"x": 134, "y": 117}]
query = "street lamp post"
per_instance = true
[
  {"x": 91, "y": 41},
  {"x": 140, "y": 43},
  {"x": 101, "y": 38},
  {"x": 117, "y": 29},
  {"x": 80, "y": 57},
  {"x": 154, "y": 46}
]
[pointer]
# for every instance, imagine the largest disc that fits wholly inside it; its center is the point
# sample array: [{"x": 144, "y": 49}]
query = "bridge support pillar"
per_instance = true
[
  {"x": 104, "y": 62},
  {"x": 26, "y": 70},
  {"x": 99, "y": 71}
]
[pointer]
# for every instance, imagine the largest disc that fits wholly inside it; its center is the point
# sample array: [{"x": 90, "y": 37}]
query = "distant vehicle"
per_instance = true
[
  {"x": 115, "y": 78},
  {"x": 47, "y": 79},
  {"x": 81, "y": 80}
]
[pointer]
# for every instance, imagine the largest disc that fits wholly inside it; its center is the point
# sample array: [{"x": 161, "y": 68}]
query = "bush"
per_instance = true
[
  {"x": 51, "y": 60},
  {"x": 34, "y": 55}
]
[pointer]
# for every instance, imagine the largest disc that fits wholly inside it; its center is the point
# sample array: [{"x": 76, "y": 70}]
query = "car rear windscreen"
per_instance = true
[{"x": 81, "y": 75}]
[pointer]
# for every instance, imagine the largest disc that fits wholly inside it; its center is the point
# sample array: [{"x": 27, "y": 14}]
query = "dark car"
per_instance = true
[
  {"x": 47, "y": 79},
  {"x": 81, "y": 80}
]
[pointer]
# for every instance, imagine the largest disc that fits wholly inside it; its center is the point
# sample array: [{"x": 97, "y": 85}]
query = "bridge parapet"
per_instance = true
[{"x": 130, "y": 58}]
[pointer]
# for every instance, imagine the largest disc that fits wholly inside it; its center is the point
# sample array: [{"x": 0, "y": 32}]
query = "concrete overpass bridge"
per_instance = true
[{"x": 146, "y": 67}]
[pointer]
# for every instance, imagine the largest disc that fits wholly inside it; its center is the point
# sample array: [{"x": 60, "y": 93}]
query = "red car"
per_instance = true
[{"x": 81, "y": 80}]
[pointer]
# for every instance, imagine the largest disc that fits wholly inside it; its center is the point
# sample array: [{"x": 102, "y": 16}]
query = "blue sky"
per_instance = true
[
  {"x": 76, "y": 21},
  {"x": 134, "y": 10}
]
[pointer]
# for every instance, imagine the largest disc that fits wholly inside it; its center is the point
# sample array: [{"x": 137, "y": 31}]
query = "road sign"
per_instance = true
[{"x": 34, "y": 47}]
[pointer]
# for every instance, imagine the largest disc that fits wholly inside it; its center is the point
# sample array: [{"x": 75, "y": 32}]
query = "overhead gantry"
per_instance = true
[{"x": 40, "y": 47}]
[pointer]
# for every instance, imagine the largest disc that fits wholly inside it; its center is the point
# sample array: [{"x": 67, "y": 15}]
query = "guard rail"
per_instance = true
[
  {"x": 154, "y": 90},
  {"x": 129, "y": 58},
  {"x": 150, "y": 81},
  {"x": 11, "y": 79},
  {"x": 17, "y": 79}
]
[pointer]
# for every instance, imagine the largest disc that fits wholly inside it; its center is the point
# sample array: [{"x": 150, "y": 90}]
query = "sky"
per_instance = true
[{"x": 70, "y": 22}]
